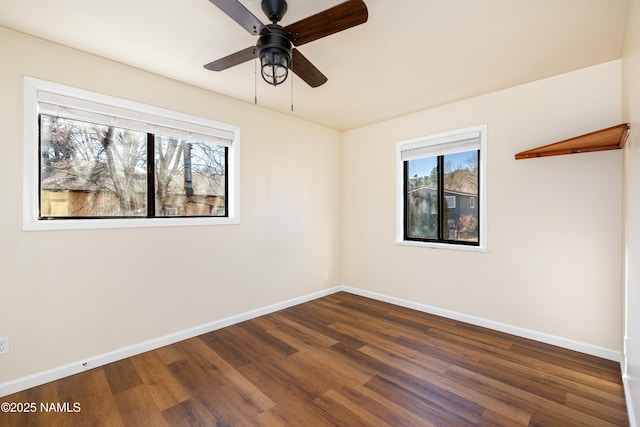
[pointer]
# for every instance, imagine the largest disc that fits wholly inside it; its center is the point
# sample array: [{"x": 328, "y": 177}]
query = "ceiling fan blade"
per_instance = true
[
  {"x": 306, "y": 70},
  {"x": 234, "y": 59},
  {"x": 236, "y": 11},
  {"x": 338, "y": 18}
]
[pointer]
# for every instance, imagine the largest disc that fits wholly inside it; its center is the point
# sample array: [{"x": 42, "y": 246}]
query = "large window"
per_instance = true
[
  {"x": 441, "y": 188},
  {"x": 93, "y": 161}
]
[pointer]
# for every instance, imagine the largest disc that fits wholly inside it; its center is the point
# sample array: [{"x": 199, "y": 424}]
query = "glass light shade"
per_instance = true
[{"x": 274, "y": 66}]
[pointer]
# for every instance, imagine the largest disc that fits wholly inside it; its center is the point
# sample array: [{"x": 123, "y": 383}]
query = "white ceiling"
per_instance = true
[{"x": 409, "y": 56}]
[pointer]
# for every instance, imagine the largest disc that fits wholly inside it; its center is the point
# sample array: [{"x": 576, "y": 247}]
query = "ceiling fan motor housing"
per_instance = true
[
  {"x": 274, "y": 9},
  {"x": 274, "y": 40}
]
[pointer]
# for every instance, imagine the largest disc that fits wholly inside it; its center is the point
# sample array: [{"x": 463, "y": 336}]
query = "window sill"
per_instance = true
[
  {"x": 93, "y": 224},
  {"x": 441, "y": 246}
]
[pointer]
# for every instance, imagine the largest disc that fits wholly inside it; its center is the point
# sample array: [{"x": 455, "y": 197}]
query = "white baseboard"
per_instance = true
[
  {"x": 43, "y": 377},
  {"x": 593, "y": 350},
  {"x": 632, "y": 404},
  {"x": 57, "y": 373}
]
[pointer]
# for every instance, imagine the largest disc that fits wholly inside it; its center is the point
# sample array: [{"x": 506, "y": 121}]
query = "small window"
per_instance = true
[
  {"x": 439, "y": 179},
  {"x": 451, "y": 201},
  {"x": 95, "y": 161}
]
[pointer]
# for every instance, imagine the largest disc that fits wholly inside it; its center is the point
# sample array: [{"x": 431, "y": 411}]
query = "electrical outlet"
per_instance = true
[
  {"x": 325, "y": 276},
  {"x": 4, "y": 345}
]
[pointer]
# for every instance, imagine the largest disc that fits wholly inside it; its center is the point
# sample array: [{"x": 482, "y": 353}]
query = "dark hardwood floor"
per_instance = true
[{"x": 341, "y": 360}]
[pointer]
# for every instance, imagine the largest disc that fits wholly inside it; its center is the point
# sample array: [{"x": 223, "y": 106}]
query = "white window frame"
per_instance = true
[
  {"x": 438, "y": 144},
  {"x": 36, "y": 90}
]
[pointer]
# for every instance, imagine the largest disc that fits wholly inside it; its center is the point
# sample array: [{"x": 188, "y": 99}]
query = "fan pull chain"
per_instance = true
[
  {"x": 255, "y": 82},
  {"x": 292, "y": 93}
]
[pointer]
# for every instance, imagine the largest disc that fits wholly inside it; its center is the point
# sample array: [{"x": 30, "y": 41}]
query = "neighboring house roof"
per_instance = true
[
  {"x": 91, "y": 176},
  {"x": 76, "y": 175},
  {"x": 432, "y": 189}
]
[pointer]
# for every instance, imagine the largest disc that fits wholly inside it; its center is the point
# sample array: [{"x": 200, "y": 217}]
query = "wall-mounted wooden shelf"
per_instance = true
[{"x": 612, "y": 138}]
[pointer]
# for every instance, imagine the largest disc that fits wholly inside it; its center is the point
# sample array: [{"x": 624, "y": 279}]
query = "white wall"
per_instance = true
[
  {"x": 70, "y": 295},
  {"x": 554, "y": 224},
  {"x": 631, "y": 111}
]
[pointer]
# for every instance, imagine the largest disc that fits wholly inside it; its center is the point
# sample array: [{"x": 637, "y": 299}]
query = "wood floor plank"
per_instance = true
[
  {"x": 504, "y": 410},
  {"x": 331, "y": 402},
  {"x": 379, "y": 406},
  {"x": 613, "y": 415},
  {"x": 393, "y": 315},
  {"x": 427, "y": 409},
  {"x": 319, "y": 320},
  {"x": 220, "y": 399},
  {"x": 302, "y": 333},
  {"x": 369, "y": 418},
  {"x": 254, "y": 333},
  {"x": 436, "y": 398},
  {"x": 541, "y": 408},
  {"x": 164, "y": 388},
  {"x": 122, "y": 375},
  {"x": 169, "y": 354},
  {"x": 137, "y": 408},
  {"x": 271, "y": 419},
  {"x": 521, "y": 373},
  {"x": 223, "y": 373},
  {"x": 492, "y": 419},
  {"x": 582, "y": 363},
  {"x": 91, "y": 391},
  {"x": 190, "y": 413},
  {"x": 340, "y": 360},
  {"x": 294, "y": 401},
  {"x": 559, "y": 375}
]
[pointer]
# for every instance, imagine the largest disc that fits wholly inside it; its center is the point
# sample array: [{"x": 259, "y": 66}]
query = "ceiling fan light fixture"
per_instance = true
[
  {"x": 275, "y": 69},
  {"x": 274, "y": 51}
]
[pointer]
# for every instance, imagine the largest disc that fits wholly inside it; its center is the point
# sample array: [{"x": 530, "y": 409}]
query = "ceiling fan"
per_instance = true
[{"x": 274, "y": 47}]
